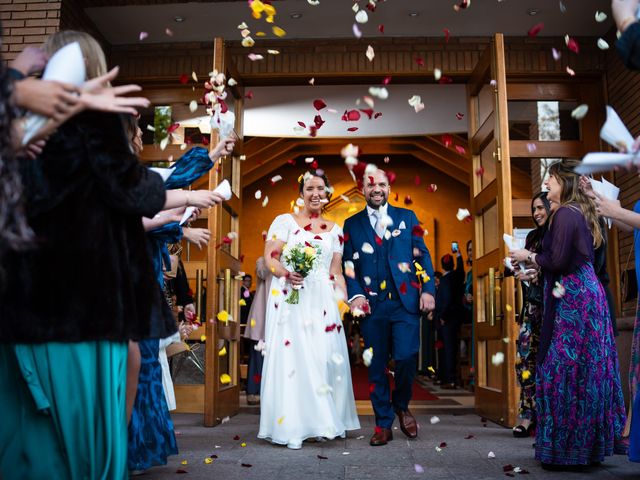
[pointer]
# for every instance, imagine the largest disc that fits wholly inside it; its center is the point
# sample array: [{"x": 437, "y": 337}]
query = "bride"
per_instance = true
[{"x": 306, "y": 389}]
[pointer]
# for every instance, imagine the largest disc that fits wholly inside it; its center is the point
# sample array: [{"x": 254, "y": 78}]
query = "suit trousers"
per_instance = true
[{"x": 392, "y": 332}]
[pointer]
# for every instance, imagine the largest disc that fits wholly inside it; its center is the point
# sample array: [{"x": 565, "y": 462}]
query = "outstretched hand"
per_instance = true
[
  {"x": 98, "y": 94},
  {"x": 224, "y": 147}
]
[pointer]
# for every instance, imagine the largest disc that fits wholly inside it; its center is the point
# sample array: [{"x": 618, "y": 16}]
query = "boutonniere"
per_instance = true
[
  {"x": 395, "y": 233},
  {"x": 402, "y": 225}
]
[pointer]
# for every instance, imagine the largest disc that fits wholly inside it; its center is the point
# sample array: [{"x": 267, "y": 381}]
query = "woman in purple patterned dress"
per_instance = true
[{"x": 579, "y": 402}]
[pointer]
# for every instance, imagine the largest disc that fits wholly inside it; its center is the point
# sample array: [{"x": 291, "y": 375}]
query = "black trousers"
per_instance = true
[{"x": 448, "y": 354}]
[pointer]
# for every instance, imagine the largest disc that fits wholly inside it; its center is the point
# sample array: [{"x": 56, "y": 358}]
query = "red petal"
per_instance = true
[
  {"x": 447, "y": 140},
  {"x": 184, "y": 78},
  {"x": 227, "y": 240},
  {"x": 257, "y": 378},
  {"x": 307, "y": 244},
  {"x": 339, "y": 328},
  {"x": 447, "y": 35},
  {"x": 386, "y": 81},
  {"x": 352, "y": 129},
  {"x": 407, "y": 200},
  {"x": 443, "y": 445},
  {"x": 460, "y": 149},
  {"x": 392, "y": 177},
  {"x": 572, "y": 44},
  {"x": 416, "y": 180},
  {"x": 173, "y": 128},
  {"x": 480, "y": 171},
  {"x": 403, "y": 288},
  {"x": 180, "y": 470},
  {"x": 341, "y": 238},
  {"x": 287, "y": 343},
  {"x": 321, "y": 457},
  {"x": 205, "y": 141},
  {"x": 249, "y": 95},
  {"x": 275, "y": 253},
  {"x": 314, "y": 164},
  {"x": 378, "y": 429},
  {"x": 415, "y": 285},
  {"x": 353, "y": 116},
  {"x": 223, "y": 106},
  {"x": 319, "y": 104},
  {"x": 396, "y": 197},
  {"x": 381, "y": 28},
  {"x": 368, "y": 112},
  {"x": 536, "y": 29},
  {"x": 318, "y": 121},
  {"x": 419, "y": 61},
  {"x": 377, "y": 115},
  {"x": 313, "y": 215},
  {"x": 323, "y": 226},
  {"x": 248, "y": 465},
  {"x": 459, "y": 116},
  {"x": 469, "y": 437},
  {"x": 378, "y": 240},
  {"x": 302, "y": 124},
  {"x": 291, "y": 161},
  {"x": 317, "y": 237},
  {"x": 372, "y": 387},
  {"x": 237, "y": 437},
  {"x": 445, "y": 80},
  {"x": 330, "y": 328}
]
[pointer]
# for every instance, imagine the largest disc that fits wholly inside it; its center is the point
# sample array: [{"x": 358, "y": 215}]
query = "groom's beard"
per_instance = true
[{"x": 374, "y": 205}]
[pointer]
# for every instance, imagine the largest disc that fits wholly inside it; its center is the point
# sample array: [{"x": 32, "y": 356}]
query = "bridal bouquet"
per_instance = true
[{"x": 302, "y": 257}]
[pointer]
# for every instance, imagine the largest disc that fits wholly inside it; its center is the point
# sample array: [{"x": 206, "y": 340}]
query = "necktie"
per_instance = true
[{"x": 378, "y": 227}]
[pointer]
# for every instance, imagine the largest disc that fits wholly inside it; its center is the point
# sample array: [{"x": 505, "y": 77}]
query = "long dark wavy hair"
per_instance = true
[
  {"x": 534, "y": 239},
  {"x": 15, "y": 233}
]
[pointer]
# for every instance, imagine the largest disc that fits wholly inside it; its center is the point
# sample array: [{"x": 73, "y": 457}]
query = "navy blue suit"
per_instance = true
[{"x": 393, "y": 327}]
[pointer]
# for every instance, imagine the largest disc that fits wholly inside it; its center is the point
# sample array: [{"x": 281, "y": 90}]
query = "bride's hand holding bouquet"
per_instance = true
[{"x": 302, "y": 258}]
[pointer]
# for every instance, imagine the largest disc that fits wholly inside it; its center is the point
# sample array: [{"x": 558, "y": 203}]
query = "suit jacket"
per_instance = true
[
  {"x": 358, "y": 230},
  {"x": 449, "y": 295}
]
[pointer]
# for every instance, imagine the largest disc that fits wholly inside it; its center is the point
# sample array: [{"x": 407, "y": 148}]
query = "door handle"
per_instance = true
[{"x": 492, "y": 296}]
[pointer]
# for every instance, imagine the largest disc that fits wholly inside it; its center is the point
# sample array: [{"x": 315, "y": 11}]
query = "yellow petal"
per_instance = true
[
  {"x": 222, "y": 352},
  {"x": 383, "y": 285},
  {"x": 508, "y": 307},
  {"x": 203, "y": 338},
  {"x": 526, "y": 374},
  {"x": 275, "y": 291},
  {"x": 225, "y": 379},
  {"x": 278, "y": 32},
  {"x": 243, "y": 444},
  {"x": 208, "y": 460},
  {"x": 252, "y": 322},
  {"x": 242, "y": 302},
  {"x": 260, "y": 34},
  {"x": 223, "y": 316},
  {"x": 183, "y": 462},
  {"x": 280, "y": 420}
]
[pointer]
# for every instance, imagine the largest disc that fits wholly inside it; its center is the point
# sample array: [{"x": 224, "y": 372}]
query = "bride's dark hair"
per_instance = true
[
  {"x": 15, "y": 233},
  {"x": 315, "y": 173}
]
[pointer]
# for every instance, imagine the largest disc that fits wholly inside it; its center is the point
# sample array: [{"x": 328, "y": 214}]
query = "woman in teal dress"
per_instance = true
[{"x": 73, "y": 300}]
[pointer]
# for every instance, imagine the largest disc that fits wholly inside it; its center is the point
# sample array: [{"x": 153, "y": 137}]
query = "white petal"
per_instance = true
[
  {"x": 370, "y": 53},
  {"x": 366, "y": 248},
  {"x": 580, "y": 111},
  {"x": 362, "y": 17},
  {"x": 602, "y": 44},
  {"x": 601, "y": 17}
]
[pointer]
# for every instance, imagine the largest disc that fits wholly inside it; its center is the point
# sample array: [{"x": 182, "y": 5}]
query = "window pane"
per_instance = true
[{"x": 544, "y": 121}]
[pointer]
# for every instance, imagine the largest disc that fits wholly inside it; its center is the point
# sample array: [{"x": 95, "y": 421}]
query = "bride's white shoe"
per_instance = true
[{"x": 294, "y": 445}]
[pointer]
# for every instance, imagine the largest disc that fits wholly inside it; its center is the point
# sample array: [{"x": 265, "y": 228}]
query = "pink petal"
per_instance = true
[{"x": 536, "y": 29}]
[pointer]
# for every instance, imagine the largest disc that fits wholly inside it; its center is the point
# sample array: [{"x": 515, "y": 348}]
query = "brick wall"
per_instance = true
[{"x": 27, "y": 22}]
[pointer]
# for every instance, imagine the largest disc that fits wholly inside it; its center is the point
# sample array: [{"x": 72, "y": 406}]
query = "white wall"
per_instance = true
[{"x": 275, "y": 111}]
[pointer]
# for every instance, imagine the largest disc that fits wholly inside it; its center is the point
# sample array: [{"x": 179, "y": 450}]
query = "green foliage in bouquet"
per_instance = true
[
  {"x": 161, "y": 123},
  {"x": 302, "y": 258}
]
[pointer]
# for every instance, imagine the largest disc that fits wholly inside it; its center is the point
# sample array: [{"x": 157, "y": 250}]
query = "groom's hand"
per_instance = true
[
  {"x": 427, "y": 302},
  {"x": 359, "y": 305}
]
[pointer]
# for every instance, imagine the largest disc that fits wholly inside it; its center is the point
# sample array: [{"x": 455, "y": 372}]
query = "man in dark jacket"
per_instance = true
[{"x": 447, "y": 318}]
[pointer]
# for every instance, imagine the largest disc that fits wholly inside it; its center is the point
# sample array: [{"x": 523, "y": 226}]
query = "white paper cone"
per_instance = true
[
  {"x": 67, "y": 66},
  {"x": 615, "y": 133},
  {"x": 224, "y": 189}
]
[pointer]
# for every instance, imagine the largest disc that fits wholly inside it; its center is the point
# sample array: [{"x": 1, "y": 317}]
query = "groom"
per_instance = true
[{"x": 385, "y": 243}]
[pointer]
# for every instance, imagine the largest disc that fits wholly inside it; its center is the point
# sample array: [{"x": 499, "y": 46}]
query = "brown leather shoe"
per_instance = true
[
  {"x": 408, "y": 424},
  {"x": 381, "y": 437}
]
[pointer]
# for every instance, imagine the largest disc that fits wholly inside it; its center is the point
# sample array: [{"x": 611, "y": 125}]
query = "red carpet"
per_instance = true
[{"x": 361, "y": 386}]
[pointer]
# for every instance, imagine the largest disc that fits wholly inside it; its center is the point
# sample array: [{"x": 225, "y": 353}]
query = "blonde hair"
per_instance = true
[
  {"x": 94, "y": 59},
  {"x": 571, "y": 193}
]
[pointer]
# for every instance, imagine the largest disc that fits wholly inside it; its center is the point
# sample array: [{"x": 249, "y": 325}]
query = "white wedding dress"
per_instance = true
[{"x": 306, "y": 389}]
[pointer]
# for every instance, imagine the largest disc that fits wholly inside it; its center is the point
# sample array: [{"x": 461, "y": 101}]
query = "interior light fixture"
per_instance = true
[
  {"x": 296, "y": 15},
  {"x": 413, "y": 14},
  {"x": 179, "y": 19},
  {"x": 533, "y": 12}
]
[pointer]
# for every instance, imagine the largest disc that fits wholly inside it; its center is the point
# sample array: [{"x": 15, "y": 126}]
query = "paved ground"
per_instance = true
[{"x": 466, "y": 454}]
